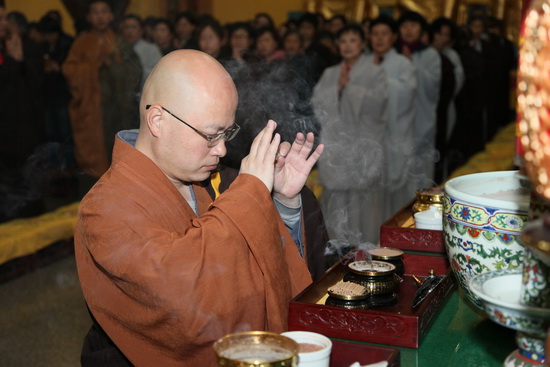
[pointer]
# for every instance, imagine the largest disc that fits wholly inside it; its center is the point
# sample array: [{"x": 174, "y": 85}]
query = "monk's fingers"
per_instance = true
[
  {"x": 314, "y": 157},
  {"x": 263, "y": 139},
  {"x": 284, "y": 148},
  {"x": 303, "y": 144}
]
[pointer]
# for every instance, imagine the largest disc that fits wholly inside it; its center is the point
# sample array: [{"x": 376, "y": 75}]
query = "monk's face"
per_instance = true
[
  {"x": 189, "y": 157},
  {"x": 100, "y": 16},
  {"x": 189, "y": 86},
  {"x": 207, "y": 101}
]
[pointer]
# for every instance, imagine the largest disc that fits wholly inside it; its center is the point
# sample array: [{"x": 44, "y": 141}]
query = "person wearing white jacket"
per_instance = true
[
  {"x": 401, "y": 76},
  {"x": 427, "y": 62},
  {"x": 350, "y": 103}
]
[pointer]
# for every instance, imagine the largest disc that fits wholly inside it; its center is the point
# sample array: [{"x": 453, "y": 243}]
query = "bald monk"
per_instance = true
[{"x": 165, "y": 270}]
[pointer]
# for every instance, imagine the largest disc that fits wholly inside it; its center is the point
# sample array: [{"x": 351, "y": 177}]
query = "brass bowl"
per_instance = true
[
  {"x": 378, "y": 277},
  {"x": 426, "y": 197},
  {"x": 256, "y": 349},
  {"x": 389, "y": 254},
  {"x": 376, "y": 285}
]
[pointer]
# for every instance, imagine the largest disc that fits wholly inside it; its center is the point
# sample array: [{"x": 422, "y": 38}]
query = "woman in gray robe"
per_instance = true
[{"x": 350, "y": 103}]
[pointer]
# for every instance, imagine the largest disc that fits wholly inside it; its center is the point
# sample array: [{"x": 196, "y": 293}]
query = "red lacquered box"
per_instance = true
[
  {"x": 346, "y": 353},
  {"x": 398, "y": 325},
  {"x": 399, "y": 232}
]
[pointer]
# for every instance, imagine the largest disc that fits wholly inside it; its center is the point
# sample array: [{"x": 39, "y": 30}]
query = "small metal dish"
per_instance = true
[{"x": 371, "y": 268}]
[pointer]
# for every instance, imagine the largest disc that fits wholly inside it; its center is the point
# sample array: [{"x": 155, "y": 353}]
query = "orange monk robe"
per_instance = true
[
  {"x": 81, "y": 70},
  {"x": 163, "y": 283}
]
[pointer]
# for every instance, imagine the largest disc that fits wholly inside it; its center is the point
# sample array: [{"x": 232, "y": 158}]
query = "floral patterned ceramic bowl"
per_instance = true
[
  {"x": 499, "y": 292},
  {"x": 483, "y": 215}
]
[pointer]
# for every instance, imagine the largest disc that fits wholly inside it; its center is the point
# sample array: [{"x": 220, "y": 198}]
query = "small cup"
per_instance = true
[
  {"x": 320, "y": 347},
  {"x": 429, "y": 219}
]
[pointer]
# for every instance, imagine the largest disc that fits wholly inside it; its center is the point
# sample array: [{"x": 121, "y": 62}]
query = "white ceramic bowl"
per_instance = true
[
  {"x": 429, "y": 219},
  {"x": 483, "y": 215},
  {"x": 319, "y": 358}
]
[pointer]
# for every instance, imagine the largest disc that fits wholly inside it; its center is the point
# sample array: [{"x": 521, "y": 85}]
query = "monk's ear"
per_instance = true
[{"x": 154, "y": 120}]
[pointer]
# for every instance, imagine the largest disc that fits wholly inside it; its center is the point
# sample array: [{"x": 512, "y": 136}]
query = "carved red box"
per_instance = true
[
  {"x": 399, "y": 232},
  {"x": 397, "y": 325},
  {"x": 346, "y": 353}
]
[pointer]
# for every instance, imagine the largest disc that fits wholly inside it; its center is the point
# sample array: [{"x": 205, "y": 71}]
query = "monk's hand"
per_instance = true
[
  {"x": 260, "y": 161},
  {"x": 293, "y": 167}
]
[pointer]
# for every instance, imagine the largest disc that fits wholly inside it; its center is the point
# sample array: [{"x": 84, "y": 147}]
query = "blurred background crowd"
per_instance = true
[{"x": 63, "y": 97}]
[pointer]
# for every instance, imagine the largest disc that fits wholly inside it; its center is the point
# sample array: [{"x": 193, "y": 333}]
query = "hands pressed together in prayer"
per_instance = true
[
  {"x": 282, "y": 167},
  {"x": 344, "y": 76}
]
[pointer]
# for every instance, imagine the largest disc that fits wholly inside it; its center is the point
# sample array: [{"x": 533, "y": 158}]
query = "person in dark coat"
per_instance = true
[{"x": 22, "y": 127}]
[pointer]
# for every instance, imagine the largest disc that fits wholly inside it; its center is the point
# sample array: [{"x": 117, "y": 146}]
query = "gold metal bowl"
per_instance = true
[
  {"x": 256, "y": 349},
  {"x": 378, "y": 277}
]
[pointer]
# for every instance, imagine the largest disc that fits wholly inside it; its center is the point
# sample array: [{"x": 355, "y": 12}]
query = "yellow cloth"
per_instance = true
[
  {"x": 25, "y": 236},
  {"x": 215, "y": 181}
]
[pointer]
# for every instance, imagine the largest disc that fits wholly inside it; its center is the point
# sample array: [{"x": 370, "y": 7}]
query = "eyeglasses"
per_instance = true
[{"x": 211, "y": 140}]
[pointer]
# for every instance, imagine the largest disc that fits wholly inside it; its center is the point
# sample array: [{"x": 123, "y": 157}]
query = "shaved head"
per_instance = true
[
  {"x": 189, "y": 79},
  {"x": 197, "y": 89}
]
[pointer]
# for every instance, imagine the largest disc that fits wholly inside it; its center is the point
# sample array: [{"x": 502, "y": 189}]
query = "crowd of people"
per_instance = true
[{"x": 398, "y": 102}]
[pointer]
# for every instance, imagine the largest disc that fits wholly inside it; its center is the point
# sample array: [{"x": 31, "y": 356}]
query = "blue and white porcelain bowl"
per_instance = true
[{"x": 483, "y": 216}]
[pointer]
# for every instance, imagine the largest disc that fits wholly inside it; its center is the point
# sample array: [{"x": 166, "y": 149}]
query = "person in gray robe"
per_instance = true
[
  {"x": 427, "y": 62},
  {"x": 350, "y": 103},
  {"x": 402, "y": 86}
]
